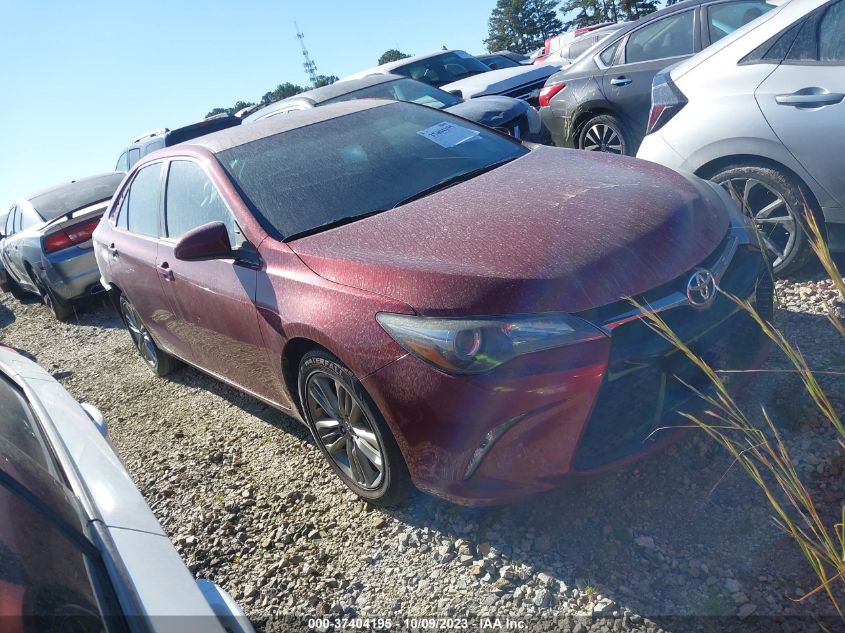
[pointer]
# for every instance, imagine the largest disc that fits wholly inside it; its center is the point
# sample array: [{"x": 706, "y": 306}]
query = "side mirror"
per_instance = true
[
  {"x": 209, "y": 241},
  {"x": 456, "y": 93}
]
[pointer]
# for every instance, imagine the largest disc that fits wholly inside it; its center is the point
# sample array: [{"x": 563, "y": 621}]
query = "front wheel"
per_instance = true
[
  {"x": 777, "y": 203},
  {"x": 158, "y": 361},
  {"x": 605, "y": 133},
  {"x": 350, "y": 431}
]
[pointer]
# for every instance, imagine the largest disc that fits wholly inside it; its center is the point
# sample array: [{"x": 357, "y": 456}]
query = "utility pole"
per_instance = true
[{"x": 309, "y": 66}]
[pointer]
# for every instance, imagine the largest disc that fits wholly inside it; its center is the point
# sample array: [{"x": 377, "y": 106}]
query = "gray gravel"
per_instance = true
[{"x": 249, "y": 503}]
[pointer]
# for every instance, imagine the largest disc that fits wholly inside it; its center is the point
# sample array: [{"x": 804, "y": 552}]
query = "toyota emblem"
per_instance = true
[{"x": 701, "y": 289}]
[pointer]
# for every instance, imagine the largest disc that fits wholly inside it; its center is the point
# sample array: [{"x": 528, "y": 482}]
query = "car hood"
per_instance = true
[
  {"x": 499, "y": 81},
  {"x": 555, "y": 230},
  {"x": 492, "y": 111}
]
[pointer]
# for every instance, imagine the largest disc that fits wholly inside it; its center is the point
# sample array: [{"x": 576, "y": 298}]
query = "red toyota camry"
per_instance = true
[{"x": 439, "y": 303}]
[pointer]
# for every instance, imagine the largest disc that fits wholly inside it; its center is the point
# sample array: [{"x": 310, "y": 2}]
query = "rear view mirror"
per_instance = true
[{"x": 209, "y": 241}]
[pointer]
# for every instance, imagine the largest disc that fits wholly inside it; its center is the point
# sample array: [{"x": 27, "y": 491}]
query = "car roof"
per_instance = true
[
  {"x": 239, "y": 135},
  {"x": 405, "y": 61},
  {"x": 326, "y": 93}
]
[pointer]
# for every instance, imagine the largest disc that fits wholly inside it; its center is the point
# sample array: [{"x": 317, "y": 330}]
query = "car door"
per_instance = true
[
  {"x": 803, "y": 100},
  {"x": 133, "y": 248},
  {"x": 645, "y": 51},
  {"x": 216, "y": 321}
]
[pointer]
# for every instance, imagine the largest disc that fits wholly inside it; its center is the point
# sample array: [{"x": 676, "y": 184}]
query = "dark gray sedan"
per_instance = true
[
  {"x": 506, "y": 114},
  {"x": 45, "y": 243}
]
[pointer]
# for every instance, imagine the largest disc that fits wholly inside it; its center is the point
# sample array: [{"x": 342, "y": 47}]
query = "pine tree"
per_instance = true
[{"x": 522, "y": 25}]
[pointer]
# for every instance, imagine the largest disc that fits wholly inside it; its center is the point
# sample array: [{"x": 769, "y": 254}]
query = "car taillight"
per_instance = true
[
  {"x": 666, "y": 102},
  {"x": 547, "y": 92},
  {"x": 70, "y": 236}
]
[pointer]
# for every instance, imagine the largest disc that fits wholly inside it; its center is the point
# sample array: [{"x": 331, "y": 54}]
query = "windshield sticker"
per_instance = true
[{"x": 447, "y": 134}]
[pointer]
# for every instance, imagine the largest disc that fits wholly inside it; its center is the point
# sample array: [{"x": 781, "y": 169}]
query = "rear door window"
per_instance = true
[
  {"x": 134, "y": 156},
  {"x": 671, "y": 36},
  {"x": 9, "y": 229},
  {"x": 832, "y": 34},
  {"x": 609, "y": 53},
  {"x": 191, "y": 200},
  {"x": 142, "y": 201}
]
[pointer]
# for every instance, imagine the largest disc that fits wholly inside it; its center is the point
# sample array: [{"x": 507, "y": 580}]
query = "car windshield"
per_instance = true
[
  {"x": 404, "y": 90},
  {"x": 343, "y": 168},
  {"x": 63, "y": 200},
  {"x": 443, "y": 69}
]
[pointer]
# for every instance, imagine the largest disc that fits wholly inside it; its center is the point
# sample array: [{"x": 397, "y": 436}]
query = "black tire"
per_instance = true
[
  {"x": 56, "y": 306},
  {"x": 605, "y": 133},
  {"x": 14, "y": 288},
  {"x": 762, "y": 186},
  {"x": 161, "y": 363},
  {"x": 394, "y": 484}
]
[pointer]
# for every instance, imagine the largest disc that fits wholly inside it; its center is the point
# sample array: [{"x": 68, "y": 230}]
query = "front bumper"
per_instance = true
[
  {"x": 572, "y": 411},
  {"x": 72, "y": 273}
]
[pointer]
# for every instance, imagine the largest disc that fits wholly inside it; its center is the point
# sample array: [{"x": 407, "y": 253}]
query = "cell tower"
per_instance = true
[{"x": 309, "y": 66}]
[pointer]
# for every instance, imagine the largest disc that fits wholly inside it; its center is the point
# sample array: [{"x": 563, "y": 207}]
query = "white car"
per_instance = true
[
  {"x": 457, "y": 71},
  {"x": 80, "y": 550},
  {"x": 762, "y": 112}
]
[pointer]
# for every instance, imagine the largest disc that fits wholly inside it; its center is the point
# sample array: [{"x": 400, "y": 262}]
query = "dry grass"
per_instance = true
[{"x": 759, "y": 448}]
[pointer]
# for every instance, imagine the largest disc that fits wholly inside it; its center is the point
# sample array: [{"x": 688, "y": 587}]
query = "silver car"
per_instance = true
[
  {"x": 45, "y": 242},
  {"x": 80, "y": 549},
  {"x": 762, "y": 113}
]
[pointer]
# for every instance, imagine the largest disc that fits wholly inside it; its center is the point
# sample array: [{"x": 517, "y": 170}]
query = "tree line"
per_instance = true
[{"x": 521, "y": 26}]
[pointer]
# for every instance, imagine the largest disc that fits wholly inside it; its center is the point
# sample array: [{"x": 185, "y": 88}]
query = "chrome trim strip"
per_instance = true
[{"x": 675, "y": 299}]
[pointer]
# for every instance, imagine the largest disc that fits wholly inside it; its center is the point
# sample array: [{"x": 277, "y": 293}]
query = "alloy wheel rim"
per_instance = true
[
  {"x": 603, "y": 138},
  {"x": 140, "y": 337},
  {"x": 773, "y": 215},
  {"x": 345, "y": 430}
]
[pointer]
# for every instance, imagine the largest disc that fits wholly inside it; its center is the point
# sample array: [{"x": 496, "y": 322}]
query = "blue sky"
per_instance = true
[{"x": 79, "y": 80}]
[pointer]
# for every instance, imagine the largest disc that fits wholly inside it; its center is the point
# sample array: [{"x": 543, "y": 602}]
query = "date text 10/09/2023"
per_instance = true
[{"x": 417, "y": 624}]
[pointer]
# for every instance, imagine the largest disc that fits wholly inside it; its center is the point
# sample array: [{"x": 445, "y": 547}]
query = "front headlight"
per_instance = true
[{"x": 476, "y": 345}]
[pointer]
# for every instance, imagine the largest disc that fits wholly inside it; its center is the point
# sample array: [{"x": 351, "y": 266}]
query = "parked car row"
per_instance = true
[{"x": 757, "y": 109}]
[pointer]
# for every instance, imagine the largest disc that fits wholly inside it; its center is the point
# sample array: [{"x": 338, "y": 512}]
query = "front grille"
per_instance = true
[{"x": 644, "y": 389}]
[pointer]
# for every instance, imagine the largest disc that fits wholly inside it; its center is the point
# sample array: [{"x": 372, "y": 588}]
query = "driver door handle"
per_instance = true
[
  {"x": 620, "y": 81},
  {"x": 166, "y": 273},
  {"x": 810, "y": 98}
]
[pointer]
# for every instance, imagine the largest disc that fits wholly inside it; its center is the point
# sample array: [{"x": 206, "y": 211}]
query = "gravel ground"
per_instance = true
[{"x": 249, "y": 503}]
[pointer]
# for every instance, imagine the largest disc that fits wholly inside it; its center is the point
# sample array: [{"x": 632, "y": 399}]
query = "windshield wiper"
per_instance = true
[
  {"x": 347, "y": 219},
  {"x": 451, "y": 181},
  {"x": 439, "y": 186}
]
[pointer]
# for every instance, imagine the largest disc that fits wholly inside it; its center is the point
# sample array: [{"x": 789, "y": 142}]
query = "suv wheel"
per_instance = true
[
  {"x": 604, "y": 133},
  {"x": 158, "y": 361},
  {"x": 350, "y": 431},
  {"x": 776, "y": 202}
]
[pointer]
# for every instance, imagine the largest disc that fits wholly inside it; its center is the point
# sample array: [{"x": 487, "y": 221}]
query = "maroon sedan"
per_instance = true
[{"x": 439, "y": 303}]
